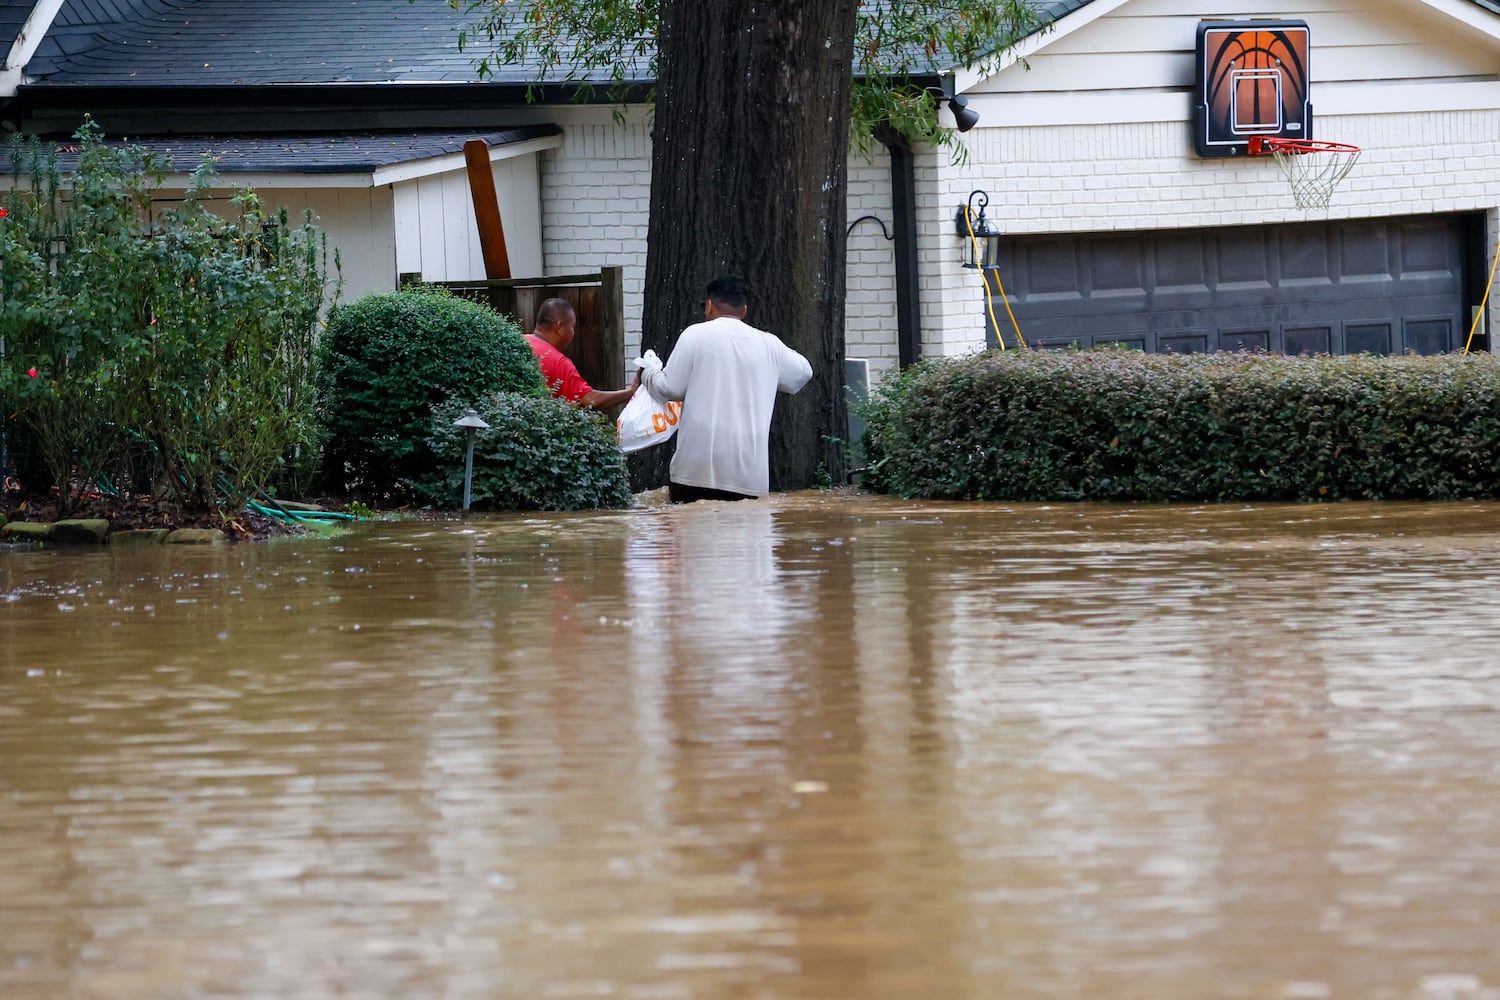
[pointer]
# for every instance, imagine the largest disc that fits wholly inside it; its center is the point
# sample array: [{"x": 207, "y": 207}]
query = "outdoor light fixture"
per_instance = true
[
  {"x": 471, "y": 423},
  {"x": 981, "y": 238},
  {"x": 964, "y": 116}
]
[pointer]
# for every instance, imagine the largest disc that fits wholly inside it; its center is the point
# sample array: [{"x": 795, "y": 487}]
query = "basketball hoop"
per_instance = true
[{"x": 1312, "y": 168}]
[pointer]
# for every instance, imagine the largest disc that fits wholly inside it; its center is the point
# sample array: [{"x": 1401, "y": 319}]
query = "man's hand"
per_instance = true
[{"x": 609, "y": 400}]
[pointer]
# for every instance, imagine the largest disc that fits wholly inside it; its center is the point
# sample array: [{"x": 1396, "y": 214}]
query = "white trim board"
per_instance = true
[
  {"x": 399, "y": 172},
  {"x": 1131, "y": 106},
  {"x": 1468, "y": 14},
  {"x": 966, "y": 79},
  {"x": 379, "y": 177},
  {"x": 1463, "y": 13}
]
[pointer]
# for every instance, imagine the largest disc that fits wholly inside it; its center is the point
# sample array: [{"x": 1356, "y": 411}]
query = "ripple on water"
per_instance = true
[{"x": 822, "y": 745}]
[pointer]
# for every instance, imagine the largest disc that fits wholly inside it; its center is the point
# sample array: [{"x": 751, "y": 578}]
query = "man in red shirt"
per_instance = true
[{"x": 556, "y": 323}]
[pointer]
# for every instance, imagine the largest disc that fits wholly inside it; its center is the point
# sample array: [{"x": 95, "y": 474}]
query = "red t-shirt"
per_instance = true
[{"x": 560, "y": 372}]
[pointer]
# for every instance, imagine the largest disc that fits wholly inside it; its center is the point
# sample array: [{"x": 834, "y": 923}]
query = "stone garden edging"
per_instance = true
[{"x": 96, "y": 531}]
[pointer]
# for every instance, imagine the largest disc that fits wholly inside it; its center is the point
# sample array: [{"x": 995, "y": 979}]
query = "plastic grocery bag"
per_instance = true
[{"x": 646, "y": 420}]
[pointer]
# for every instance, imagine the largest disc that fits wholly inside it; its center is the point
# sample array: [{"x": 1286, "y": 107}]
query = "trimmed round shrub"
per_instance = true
[
  {"x": 387, "y": 360},
  {"x": 537, "y": 454}
]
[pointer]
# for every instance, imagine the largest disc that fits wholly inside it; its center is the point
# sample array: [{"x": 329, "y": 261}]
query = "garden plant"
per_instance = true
[
  {"x": 386, "y": 360},
  {"x": 148, "y": 345},
  {"x": 538, "y": 453}
]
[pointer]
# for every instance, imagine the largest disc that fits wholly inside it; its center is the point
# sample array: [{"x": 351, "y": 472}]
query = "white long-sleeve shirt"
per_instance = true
[{"x": 727, "y": 374}]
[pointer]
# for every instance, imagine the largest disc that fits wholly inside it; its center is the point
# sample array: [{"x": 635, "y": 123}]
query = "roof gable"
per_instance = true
[
  {"x": 1122, "y": 61},
  {"x": 1461, "y": 23}
]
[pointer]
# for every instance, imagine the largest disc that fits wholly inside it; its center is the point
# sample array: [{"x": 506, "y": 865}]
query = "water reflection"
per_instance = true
[{"x": 818, "y": 746}]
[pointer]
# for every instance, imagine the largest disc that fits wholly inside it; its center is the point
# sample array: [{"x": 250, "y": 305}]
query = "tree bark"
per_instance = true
[{"x": 749, "y": 174}]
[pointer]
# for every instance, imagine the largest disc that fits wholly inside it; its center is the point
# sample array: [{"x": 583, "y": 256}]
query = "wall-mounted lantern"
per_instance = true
[
  {"x": 471, "y": 423},
  {"x": 981, "y": 237}
]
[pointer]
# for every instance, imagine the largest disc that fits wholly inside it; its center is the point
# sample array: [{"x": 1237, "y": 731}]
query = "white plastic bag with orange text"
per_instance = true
[{"x": 646, "y": 420}]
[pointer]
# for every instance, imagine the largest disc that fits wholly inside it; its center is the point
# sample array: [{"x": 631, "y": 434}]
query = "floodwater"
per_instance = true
[{"x": 819, "y": 746}]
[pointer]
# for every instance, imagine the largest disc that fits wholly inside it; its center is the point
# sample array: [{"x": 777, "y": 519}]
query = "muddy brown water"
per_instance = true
[{"x": 819, "y": 746}]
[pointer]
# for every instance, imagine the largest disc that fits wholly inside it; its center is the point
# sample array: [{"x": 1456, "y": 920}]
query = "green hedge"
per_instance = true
[
  {"x": 537, "y": 454},
  {"x": 387, "y": 360},
  {"x": 1124, "y": 425}
]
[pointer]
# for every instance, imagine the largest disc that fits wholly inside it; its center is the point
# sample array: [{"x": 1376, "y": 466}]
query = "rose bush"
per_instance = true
[{"x": 162, "y": 350}]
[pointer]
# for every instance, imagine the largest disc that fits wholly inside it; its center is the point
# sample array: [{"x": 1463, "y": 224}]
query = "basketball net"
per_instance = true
[{"x": 1312, "y": 168}]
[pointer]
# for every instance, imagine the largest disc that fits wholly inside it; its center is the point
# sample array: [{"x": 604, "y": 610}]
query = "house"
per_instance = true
[
  {"x": 1116, "y": 229},
  {"x": 1119, "y": 229},
  {"x": 310, "y": 113}
]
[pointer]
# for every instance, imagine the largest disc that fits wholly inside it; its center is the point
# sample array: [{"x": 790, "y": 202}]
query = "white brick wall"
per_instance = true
[
  {"x": 870, "y": 306},
  {"x": 1042, "y": 179},
  {"x": 596, "y": 196}
]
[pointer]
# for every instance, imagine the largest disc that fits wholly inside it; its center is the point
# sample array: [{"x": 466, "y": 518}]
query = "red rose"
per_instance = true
[
  {"x": 31, "y": 372},
  {"x": 3, "y": 213}
]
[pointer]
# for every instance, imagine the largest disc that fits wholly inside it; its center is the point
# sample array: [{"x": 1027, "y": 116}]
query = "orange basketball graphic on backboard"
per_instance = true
[{"x": 1251, "y": 81}]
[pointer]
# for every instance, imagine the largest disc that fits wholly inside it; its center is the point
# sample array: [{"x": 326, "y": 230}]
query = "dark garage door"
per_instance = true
[{"x": 1378, "y": 285}]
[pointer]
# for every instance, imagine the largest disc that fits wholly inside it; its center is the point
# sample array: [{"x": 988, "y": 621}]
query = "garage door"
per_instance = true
[{"x": 1374, "y": 285}]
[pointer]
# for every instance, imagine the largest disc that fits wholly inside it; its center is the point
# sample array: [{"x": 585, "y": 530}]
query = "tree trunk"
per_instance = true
[{"x": 749, "y": 174}]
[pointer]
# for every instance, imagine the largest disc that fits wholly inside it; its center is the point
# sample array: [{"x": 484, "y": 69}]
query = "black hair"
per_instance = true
[
  {"x": 730, "y": 291},
  {"x": 553, "y": 311}
]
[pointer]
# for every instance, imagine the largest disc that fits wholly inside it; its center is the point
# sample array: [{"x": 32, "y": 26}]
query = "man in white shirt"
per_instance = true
[{"x": 727, "y": 374}]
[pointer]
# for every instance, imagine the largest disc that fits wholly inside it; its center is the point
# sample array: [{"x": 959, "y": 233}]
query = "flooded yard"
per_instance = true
[{"x": 817, "y": 746}]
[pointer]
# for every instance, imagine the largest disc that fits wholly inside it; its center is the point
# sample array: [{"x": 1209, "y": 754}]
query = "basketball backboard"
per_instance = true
[{"x": 1251, "y": 81}]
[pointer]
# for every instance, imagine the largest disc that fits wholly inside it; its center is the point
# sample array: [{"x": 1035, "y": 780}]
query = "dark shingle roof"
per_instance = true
[
  {"x": 209, "y": 43},
  {"x": 307, "y": 152},
  {"x": 12, "y": 16},
  {"x": 216, "y": 43}
]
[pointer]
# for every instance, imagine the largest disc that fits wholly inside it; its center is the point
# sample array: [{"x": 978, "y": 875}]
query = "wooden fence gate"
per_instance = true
[{"x": 598, "y": 348}]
